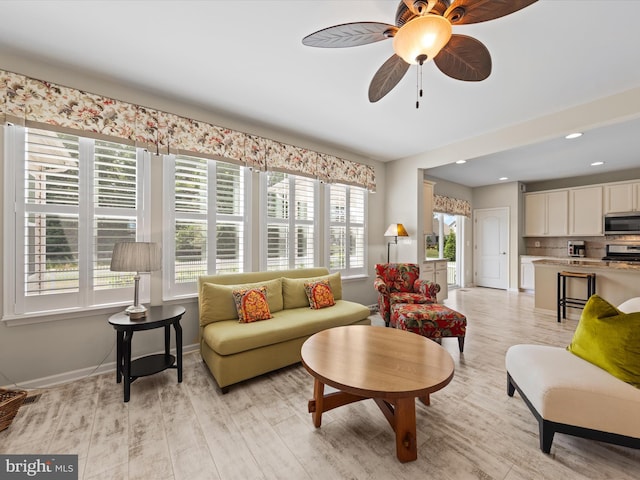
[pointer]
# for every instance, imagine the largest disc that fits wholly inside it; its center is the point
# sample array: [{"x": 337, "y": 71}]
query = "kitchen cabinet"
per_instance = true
[
  {"x": 585, "y": 211},
  {"x": 622, "y": 197},
  {"x": 442, "y": 279},
  {"x": 527, "y": 278},
  {"x": 527, "y": 271},
  {"x": 535, "y": 214},
  {"x": 557, "y": 209},
  {"x": 436, "y": 271},
  {"x": 427, "y": 211},
  {"x": 578, "y": 211},
  {"x": 546, "y": 213}
]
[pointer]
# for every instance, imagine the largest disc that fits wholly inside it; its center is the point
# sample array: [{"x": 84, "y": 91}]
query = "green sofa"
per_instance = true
[{"x": 236, "y": 351}]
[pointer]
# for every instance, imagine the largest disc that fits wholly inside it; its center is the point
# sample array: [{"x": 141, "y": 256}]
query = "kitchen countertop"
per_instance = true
[{"x": 588, "y": 263}]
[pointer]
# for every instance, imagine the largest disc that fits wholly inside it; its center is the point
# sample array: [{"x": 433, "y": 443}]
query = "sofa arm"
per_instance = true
[
  {"x": 381, "y": 286},
  {"x": 427, "y": 288}
]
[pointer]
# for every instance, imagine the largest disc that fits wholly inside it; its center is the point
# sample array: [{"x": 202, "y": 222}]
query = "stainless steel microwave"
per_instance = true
[{"x": 622, "y": 223}]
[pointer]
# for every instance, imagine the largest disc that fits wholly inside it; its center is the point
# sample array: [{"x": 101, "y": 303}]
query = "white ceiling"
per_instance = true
[{"x": 244, "y": 59}]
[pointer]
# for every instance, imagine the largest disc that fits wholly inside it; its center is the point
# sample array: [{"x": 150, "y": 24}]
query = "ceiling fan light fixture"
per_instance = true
[{"x": 425, "y": 35}]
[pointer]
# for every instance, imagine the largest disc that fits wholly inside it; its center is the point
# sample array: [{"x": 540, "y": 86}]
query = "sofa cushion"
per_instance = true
[
  {"x": 217, "y": 304},
  {"x": 319, "y": 294},
  {"x": 609, "y": 339},
  {"x": 229, "y": 337},
  {"x": 630, "y": 306},
  {"x": 251, "y": 304},
  {"x": 294, "y": 295}
]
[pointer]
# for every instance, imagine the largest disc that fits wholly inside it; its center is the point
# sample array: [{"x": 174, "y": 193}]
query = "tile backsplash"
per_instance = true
[{"x": 557, "y": 246}]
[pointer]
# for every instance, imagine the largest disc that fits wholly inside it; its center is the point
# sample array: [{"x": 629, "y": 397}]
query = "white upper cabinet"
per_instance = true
[
  {"x": 427, "y": 211},
  {"x": 578, "y": 211},
  {"x": 557, "y": 212},
  {"x": 585, "y": 211},
  {"x": 535, "y": 214},
  {"x": 546, "y": 213},
  {"x": 621, "y": 197}
]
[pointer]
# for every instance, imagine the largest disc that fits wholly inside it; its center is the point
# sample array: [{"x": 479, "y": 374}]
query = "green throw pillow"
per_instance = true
[
  {"x": 610, "y": 339},
  {"x": 217, "y": 303},
  {"x": 294, "y": 295}
]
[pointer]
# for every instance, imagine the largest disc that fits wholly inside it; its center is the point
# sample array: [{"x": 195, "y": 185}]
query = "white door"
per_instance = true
[{"x": 491, "y": 252}]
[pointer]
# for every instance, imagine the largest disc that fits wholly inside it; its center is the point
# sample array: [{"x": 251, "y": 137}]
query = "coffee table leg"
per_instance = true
[
  {"x": 318, "y": 400},
  {"x": 405, "y": 427}
]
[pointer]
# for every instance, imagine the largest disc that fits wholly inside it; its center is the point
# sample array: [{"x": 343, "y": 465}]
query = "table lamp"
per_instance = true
[
  {"x": 139, "y": 257},
  {"x": 395, "y": 230}
]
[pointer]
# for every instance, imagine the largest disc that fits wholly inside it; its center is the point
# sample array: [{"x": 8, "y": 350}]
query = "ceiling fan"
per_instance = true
[{"x": 423, "y": 31}]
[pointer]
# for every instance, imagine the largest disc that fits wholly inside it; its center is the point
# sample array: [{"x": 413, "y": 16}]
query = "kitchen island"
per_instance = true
[{"x": 615, "y": 282}]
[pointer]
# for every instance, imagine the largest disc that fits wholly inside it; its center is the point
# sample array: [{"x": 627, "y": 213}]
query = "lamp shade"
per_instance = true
[
  {"x": 425, "y": 35},
  {"x": 136, "y": 257},
  {"x": 396, "y": 230}
]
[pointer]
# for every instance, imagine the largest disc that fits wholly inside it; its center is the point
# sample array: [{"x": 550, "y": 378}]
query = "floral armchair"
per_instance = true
[{"x": 399, "y": 283}]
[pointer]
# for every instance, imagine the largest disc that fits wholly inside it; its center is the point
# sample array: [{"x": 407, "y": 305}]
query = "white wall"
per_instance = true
[{"x": 69, "y": 347}]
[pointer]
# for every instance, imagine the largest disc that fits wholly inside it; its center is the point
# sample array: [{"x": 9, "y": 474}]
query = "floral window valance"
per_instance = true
[
  {"x": 452, "y": 206},
  {"x": 34, "y": 102}
]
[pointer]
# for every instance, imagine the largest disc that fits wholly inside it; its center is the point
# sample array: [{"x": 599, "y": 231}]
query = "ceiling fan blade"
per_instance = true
[
  {"x": 350, "y": 35},
  {"x": 464, "y": 58},
  {"x": 387, "y": 77},
  {"x": 463, "y": 12}
]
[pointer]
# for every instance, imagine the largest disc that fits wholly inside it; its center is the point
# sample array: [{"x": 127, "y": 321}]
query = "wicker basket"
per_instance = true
[{"x": 10, "y": 402}]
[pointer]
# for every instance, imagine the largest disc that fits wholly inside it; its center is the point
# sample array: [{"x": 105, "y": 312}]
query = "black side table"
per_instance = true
[{"x": 163, "y": 316}]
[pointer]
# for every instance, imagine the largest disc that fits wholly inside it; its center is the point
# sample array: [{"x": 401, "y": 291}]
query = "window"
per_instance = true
[
  {"x": 75, "y": 198},
  {"x": 347, "y": 233},
  {"x": 206, "y": 208},
  {"x": 290, "y": 221}
]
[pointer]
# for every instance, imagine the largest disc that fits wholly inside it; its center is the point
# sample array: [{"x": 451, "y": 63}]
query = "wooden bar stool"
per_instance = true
[{"x": 572, "y": 302}]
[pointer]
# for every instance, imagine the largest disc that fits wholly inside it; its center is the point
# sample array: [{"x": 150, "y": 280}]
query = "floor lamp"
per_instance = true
[{"x": 395, "y": 230}]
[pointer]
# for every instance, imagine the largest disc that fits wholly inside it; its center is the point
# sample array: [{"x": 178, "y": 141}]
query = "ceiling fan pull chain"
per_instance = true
[
  {"x": 421, "y": 59},
  {"x": 418, "y": 87}
]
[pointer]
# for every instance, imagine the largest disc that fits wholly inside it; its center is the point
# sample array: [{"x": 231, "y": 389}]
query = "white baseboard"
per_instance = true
[{"x": 73, "y": 375}]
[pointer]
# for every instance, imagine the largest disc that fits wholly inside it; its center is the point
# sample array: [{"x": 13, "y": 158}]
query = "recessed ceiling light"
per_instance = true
[
  {"x": 461, "y": 162},
  {"x": 502, "y": 179},
  {"x": 597, "y": 164},
  {"x": 573, "y": 135}
]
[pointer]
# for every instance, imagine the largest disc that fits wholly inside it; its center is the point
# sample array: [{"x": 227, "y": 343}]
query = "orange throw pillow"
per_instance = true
[
  {"x": 251, "y": 304},
  {"x": 319, "y": 294}
]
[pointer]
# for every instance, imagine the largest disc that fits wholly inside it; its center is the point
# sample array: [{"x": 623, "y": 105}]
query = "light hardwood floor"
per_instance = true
[{"x": 261, "y": 428}]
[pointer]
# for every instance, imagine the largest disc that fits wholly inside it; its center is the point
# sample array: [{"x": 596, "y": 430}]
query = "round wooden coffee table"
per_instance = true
[{"x": 393, "y": 367}]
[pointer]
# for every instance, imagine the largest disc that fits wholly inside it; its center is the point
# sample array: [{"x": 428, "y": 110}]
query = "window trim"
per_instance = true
[
  {"x": 291, "y": 222},
  {"x": 348, "y": 272},
  {"x": 170, "y": 289},
  {"x": 15, "y": 304}
]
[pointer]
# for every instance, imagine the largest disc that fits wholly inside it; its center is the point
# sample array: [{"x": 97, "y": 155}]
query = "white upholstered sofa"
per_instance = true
[{"x": 569, "y": 395}]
